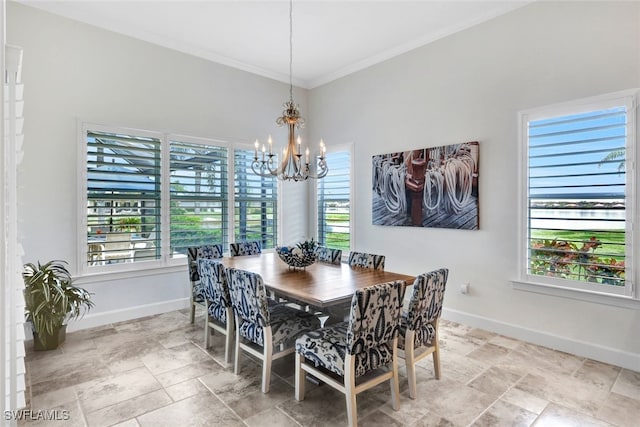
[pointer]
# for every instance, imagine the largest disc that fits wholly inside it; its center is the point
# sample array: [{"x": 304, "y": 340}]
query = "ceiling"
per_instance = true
[{"x": 330, "y": 38}]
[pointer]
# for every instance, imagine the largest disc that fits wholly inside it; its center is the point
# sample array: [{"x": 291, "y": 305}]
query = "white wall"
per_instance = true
[
  {"x": 470, "y": 86},
  {"x": 74, "y": 71}
]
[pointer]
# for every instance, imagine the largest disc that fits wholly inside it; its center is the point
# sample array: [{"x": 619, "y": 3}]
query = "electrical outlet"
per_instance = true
[{"x": 464, "y": 288}]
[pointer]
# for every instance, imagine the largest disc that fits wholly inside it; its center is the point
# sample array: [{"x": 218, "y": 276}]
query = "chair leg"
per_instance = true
[
  {"x": 229, "y": 338},
  {"x": 350, "y": 390},
  {"x": 394, "y": 383},
  {"x": 207, "y": 332},
  {"x": 236, "y": 362},
  {"x": 300, "y": 378},
  {"x": 267, "y": 358},
  {"x": 436, "y": 357},
  {"x": 409, "y": 356}
]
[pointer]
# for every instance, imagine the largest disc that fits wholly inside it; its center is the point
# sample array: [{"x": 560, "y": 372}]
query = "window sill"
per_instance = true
[
  {"x": 580, "y": 295},
  {"x": 107, "y": 276}
]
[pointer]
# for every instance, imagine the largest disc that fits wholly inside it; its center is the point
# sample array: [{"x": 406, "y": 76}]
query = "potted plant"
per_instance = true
[
  {"x": 50, "y": 301},
  {"x": 129, "y": 224}
]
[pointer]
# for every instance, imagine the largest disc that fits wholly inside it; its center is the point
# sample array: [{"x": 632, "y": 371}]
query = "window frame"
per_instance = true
[
  {"x": 165, "y": 262},
  {"x": 349, "y": 147},
  {"x": 166, "y": 215},
  {"x": 232, "y": 199},
  {"x": 564, "y": 287}
]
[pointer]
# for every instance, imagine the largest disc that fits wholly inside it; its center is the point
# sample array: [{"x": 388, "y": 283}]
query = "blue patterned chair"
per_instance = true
[
  {"x": 245, "y": 248},
  {"x": 364, "y": 260},
  {"x": 220, "y": 313},
  {"x": 267, "y": 326},
  {"x": 366, "y": 342},
  {"x": 419, "y": 324},
  {"x": 197, "y": 291},
  {"x": 330, "y": 256}
]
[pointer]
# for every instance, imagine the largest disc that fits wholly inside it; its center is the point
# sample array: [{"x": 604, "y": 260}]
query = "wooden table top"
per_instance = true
[{"x": 320, "y": 285}]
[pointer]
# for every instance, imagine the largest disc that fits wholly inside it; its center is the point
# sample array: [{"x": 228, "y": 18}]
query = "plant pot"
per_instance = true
[{"x": 52, "y": 341}]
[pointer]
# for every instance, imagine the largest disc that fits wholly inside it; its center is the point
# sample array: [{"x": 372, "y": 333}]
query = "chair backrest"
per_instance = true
[
  {"x": 425, "y": 305},
  {"x": 365, "y": 260},
  {"x": 331, "y": 256},
  {"x": 205, "y": 251},
  {"x": 374, "y": 320},
  {"x": 214, "y": 280},
  {"x": 248, "y": 296},
  {"x": 117, "y": 242},
  {"x": 245, "y": 248}
]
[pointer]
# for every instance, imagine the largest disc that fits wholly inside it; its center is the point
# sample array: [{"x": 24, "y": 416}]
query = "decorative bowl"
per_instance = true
[{"x": 296, "y": 257}]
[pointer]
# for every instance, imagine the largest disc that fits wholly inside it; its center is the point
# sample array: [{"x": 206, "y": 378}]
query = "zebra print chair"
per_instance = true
[
  {"x": 220, "y": 313},
  {"x": 197, "y": 290},
  {"x": 419, "y": 325},
  {"x": 265, "y": 325},
  {"x": 366, "y": 342},
  {"x": 330, "y": 256},
  {"x": 245, "y": 248},
  {"x": 364, "y": 260}
]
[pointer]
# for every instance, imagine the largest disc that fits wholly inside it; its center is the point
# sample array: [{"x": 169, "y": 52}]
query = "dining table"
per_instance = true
[{"x": 320, "y": 285}]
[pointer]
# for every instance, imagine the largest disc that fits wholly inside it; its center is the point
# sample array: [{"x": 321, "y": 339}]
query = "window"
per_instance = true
[
  {"x": 123, "y": 196},
  {"x": 255, "y": 203},
  {"x": 579, "y": 194},
  {"x": 334, "y": 206},
  {"x": 198, "y": 195},
  {"x": 147, "y": 196}
]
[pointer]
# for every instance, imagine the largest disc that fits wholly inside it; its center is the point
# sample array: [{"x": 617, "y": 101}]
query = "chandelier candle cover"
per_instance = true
[{"x": 293, "y": 166}]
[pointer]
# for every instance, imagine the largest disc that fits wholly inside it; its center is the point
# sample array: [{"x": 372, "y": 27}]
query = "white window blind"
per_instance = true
[
  {"x": 198, "y": 195},
  {"x": 123, "y": 198},
  {"x": 255, "y": 203},
  {"x": 578, "y": 206},
  {"x": 334, "y": 206}
]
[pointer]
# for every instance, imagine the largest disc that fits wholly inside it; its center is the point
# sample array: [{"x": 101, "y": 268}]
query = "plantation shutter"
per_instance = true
[
  {"x": 255, "y": 206},
  {"x": 123, "y": 198},
  {"x": 334, "y": 193},
  {"x": 576, "y": 198},
  {"x": 198, "y": 195}
]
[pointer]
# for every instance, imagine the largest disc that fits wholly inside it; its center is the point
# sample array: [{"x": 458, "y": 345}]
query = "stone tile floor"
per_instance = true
[{"x": 154, "y": 372}]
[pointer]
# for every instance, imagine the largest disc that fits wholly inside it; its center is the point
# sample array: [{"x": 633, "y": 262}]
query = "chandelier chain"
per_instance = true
[
  {"x": 291, "y": 50},
  {"x": 294, "y": 165}
]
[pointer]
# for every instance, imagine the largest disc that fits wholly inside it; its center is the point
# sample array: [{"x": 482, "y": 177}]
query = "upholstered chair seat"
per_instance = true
[
  {"x": 198, "y": 296},
  {"x": 286, "y": 324},
  {"x": 245, "y": 248},
  {"x": 271, "y": 327},
  {"x": 365, "y": 260},
  {"x": 419, "y": 324},
  {"x": 363, "y": 345},
  {"x": 329, "y": 256},
  {"x": 219, "y": 311}
]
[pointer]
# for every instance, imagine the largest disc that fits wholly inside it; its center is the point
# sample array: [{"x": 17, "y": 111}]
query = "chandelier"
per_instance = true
[{"x": 294, "y": 165}]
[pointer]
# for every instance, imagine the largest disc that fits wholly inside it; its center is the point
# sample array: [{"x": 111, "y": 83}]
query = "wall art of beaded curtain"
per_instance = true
[{"x": 429, "y": 187}]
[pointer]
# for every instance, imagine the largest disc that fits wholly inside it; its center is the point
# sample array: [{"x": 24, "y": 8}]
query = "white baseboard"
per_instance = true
[
  {"x": 593, "y": 351},
  {"x": 92, "y": 320}
]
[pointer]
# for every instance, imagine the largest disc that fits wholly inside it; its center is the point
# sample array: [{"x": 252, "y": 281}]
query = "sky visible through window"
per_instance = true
[{"x": 579, "y": 158}]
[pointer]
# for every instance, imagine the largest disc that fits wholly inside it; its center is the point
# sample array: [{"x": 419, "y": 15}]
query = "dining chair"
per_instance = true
[
  {"x": 219, "y": 311},
  {"x": 365, "y": 260},
  {"x": 197, "y": 291},
  {"x": 245, "y": 248},
  {"x": 366, "y": 342},
  {"x": 95, "y": 254},
  {"x": 266, "y": 327},
  {"x": 328, "y": 255},
  {"x": 118, "y": 247},
  {"x": 419, "y": 323}
]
